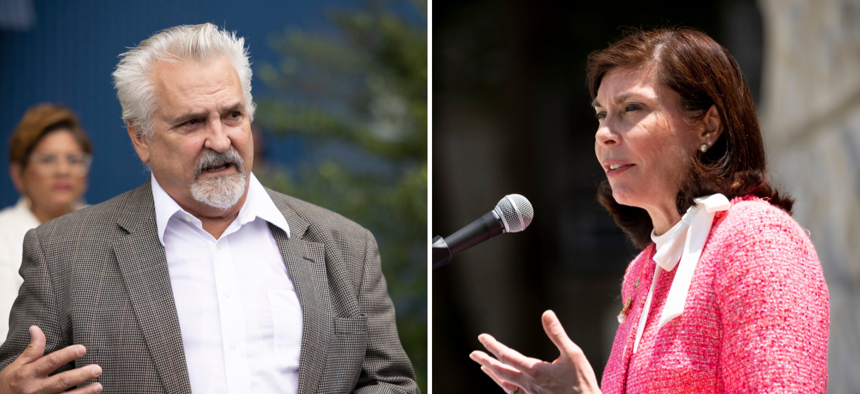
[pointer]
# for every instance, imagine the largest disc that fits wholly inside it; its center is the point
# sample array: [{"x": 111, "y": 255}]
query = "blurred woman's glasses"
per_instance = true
[{"x": 76, "y": 164}]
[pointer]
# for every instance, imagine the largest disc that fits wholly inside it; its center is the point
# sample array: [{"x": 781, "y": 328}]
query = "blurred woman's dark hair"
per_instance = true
[
  {"x": 39, "y": 121},
  {"x": 704, "y": 74}
]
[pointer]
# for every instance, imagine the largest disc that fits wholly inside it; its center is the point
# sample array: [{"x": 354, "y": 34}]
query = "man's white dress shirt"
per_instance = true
[{"x": 238, "y": 310}]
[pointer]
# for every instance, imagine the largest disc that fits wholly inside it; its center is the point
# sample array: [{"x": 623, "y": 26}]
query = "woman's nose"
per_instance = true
[
  {"x": 605, "y": 135},
  {"x": 63, "y": 166}
]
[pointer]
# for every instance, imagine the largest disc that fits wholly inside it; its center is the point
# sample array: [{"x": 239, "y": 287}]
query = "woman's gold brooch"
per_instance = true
[{"x": 622, "y": 317}]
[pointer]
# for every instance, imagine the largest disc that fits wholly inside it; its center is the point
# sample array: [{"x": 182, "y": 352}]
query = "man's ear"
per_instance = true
[
  {"x": 712, "y": 126},
  {"x": 16, "y": 172},
  {"x": 141, "y": 143}
]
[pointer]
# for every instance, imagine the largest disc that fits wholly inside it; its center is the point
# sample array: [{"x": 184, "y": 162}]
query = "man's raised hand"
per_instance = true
[{"x": 29, "y": 373}]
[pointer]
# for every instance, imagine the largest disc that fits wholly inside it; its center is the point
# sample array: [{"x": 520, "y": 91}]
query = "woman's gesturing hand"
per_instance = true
[{"x": 569, "y": 373}]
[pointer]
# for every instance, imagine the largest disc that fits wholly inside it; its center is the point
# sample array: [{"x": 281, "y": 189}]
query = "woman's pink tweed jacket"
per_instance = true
[{"x": 756, "y": 318}]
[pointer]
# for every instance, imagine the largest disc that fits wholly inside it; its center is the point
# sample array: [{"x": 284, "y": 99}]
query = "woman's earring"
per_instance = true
[{"x": 703, "y": 148}]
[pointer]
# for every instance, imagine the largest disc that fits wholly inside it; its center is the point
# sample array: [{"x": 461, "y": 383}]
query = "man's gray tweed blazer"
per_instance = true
[{"x": 98, "y": 277}]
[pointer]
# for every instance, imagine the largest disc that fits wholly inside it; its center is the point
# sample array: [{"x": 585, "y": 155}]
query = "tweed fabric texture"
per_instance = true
[
  {"x": 756, "y": 318},
  {"x": 98, "y": 277}
]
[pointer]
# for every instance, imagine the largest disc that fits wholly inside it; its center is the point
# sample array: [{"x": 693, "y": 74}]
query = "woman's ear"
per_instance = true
[
  {"x": 16, "y": 172},
  {"x": 712, "y": 126}
]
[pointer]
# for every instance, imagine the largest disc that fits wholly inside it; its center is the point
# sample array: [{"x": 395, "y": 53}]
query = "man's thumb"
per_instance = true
[{"x": 36, "y": 349}]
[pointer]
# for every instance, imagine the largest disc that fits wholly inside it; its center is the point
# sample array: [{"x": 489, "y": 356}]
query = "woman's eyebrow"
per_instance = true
[{"x": 618, "y": 99}]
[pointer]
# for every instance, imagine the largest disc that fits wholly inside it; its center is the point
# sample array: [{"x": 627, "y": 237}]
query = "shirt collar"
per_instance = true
[
  {"x": 257, "y": 204},
  {"x": 661, "y": 240},
  {"x": 260, "y": 205}
]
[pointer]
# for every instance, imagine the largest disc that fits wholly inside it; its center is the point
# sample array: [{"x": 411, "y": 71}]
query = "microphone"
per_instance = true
[{"x": 512, "y": 214}]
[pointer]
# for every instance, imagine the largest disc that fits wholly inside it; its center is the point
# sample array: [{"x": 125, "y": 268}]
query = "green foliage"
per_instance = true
[{"x": 360, "y": 90}]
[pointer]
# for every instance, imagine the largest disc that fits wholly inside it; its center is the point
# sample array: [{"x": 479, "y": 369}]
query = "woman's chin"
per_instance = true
[
  {"x": 623, "y": 197},
  {"x": 57, "y": 206}
]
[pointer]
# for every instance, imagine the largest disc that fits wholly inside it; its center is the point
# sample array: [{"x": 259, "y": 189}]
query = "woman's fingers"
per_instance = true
[
  {"x": 505, "y": 354},
  {"x": 485, "y": 360},
  {"x": 507, "y": 386},
  {"x": 572, "y": 357},
  {"x": 558, "y": 336},
  {"x": 512, "y": 369},
  {"x": 505, "y": 375}
]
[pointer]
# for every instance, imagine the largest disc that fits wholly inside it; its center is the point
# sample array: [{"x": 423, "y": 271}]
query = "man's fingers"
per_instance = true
[
  {"x": 505, "y": 354},
  {"x": 67, "y": 379},
  {"x": 48, "y": 364},
  {"x": 88, "y": 389},
  {"x": 557, "y": 335},
  {"x": 35, "y": 349}
]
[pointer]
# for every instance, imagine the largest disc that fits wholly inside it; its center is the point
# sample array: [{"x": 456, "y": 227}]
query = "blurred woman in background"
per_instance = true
[
  {"x": 49, "y": 159},
  {"x": 727, "y": 294}
]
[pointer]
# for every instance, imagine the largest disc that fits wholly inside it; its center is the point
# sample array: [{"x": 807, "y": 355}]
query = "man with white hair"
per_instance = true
[{"x": 201, "y": 279}]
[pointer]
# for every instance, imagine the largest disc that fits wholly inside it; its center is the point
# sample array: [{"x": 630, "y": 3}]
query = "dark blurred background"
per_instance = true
[
  {"x": 511, "y": 114},
  {"x": 342, "y": 118}
]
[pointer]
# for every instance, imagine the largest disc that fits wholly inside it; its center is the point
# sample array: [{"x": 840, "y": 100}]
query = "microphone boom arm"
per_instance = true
[{"x": 482, "y": 229}]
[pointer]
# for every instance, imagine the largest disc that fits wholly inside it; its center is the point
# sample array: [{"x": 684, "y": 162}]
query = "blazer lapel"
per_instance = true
[
  {"x": 143, "y": 264},
  {"x": 644, "y": 275},
  {"x": 306, "y": 265}
]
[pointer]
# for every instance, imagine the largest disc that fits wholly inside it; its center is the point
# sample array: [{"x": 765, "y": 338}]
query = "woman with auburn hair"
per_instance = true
[
  {"x": 49, "y": 159},
  {"x": 727, "y": 294}
]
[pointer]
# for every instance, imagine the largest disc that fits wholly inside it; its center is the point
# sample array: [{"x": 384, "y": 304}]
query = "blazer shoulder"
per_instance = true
[
  {"x": 755, "y": 219},
  {"x": 316, "y": 217},
  {"x": 100, "y": 215},
  {"x": 751, "y": 208},
  {"x": 754, "y": 234}
]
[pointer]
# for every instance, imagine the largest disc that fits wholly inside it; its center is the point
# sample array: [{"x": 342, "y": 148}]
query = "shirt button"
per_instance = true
[
  {"x": 232, "y": 345},
  {"x": 227, "y": 294},
  {"x": 218, "y": 245},
  {"x": 188, "y": 218}
]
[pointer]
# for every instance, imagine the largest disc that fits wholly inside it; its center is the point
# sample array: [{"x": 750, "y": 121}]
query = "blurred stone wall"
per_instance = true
[{"x": 810, "y": 112}]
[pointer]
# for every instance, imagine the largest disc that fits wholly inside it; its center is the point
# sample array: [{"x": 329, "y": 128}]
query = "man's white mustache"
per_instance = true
[{"x": 214, "y": 159}]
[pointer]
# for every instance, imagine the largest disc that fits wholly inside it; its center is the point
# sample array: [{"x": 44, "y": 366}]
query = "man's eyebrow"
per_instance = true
[
  {"x": 240, "y": 106},
  {"x": 188, "y": 116}
]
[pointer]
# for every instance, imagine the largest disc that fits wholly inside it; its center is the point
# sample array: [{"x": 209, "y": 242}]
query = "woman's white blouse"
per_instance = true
[
  {"x": 681, "y": 247},
  {"x": 15, "y": 221}
]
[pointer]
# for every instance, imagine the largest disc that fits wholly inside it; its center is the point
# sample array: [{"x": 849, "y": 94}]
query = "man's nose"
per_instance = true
[{"x": 217, "y": 138}]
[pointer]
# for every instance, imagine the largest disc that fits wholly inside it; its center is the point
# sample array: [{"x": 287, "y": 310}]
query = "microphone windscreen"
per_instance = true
[{"x": 516, "y": 212}]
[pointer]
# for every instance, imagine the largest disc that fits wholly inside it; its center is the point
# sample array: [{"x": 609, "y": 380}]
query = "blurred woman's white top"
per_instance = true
[{"x": 15, "y": 221}]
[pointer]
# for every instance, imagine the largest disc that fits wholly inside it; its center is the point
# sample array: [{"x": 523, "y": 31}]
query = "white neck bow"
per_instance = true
[{"x": 681, "y": 248}]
